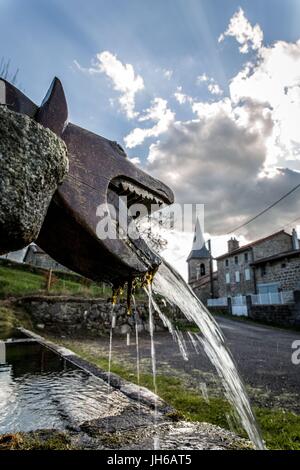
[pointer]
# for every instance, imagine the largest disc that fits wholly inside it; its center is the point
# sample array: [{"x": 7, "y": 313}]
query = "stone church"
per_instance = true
[{"x": 201, "y": 277}]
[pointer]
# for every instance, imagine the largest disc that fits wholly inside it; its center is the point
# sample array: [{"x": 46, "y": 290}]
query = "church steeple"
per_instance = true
[
  {"x": 199, "y": 249},
  {"x": 199, "y": 258}
]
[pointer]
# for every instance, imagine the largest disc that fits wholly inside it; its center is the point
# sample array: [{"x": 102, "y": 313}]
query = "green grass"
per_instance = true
[
  {"x": 10, "y": 319},
  {"x": 20, "y": 281},
  {"x": 280, "y": 429},
  {"x": 39, "y": 440},
  {"x": 17, "y": 282}
]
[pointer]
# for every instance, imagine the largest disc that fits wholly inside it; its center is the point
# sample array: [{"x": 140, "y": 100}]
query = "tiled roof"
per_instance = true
[
  {"x": 249, "y": 245},
  {"x": 196, "y": 254}
]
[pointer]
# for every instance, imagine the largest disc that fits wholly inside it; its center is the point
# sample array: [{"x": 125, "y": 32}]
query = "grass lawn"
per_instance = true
[
  {"x": 20, "y": 281},
  {"x": 280, "y": 429},
  {"x": 15, "y": 282}
]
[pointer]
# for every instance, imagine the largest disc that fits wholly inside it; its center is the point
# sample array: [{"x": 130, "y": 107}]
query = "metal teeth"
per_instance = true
[{"x": 138, "y": 195}]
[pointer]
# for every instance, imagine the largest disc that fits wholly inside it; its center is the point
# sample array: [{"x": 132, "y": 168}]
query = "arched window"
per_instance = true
[{"x": 202, "y": 269}]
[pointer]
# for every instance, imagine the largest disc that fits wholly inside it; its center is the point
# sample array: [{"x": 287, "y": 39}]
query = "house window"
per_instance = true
[
  {"x": 226, "y": 263},
  {"x": 202, "y": 269},
  {"x": 263, "y": 271},
  {"x": 247, "y": 275},
  {"x": 237, "y": 276},
  {"x": 236, "y": 260},
  {"x": 227, "y": 278},
  {"x": 283, "y": 265},
  {"x": 246, "y": 257}
]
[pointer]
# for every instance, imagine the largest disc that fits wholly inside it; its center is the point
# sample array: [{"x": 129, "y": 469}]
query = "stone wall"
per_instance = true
[
  {"x": 286, "y": 315},
  {"x": 202, "y": 287},
  {"x": 286, "y": 272},
  {"x": 280, "y": 315},
  {"x": 219, "y": 310},
  {"x": 194, "y": 265},
  {"x": 235, "y": 288},
  {"x": 69, "y": 315}
]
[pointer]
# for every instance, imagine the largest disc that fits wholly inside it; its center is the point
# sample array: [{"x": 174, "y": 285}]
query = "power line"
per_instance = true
[
  {"x": 264, "y": 210},
  {"x": 290, "y": 223}
]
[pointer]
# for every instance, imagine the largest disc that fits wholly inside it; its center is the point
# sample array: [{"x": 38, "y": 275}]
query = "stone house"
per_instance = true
[
  {"x": 201, "y": 277},
  {"x": 268, "y": 265}
]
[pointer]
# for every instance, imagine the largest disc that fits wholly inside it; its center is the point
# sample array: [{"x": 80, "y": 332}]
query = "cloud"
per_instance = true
[
  {"x": 181, "y": 97},
  {"x": 202, "y": 78},
  {"x": 167, "y": 74},
  {"x": 248, "y": 36},
  {"x": 275, "y": 80},
  {"x": 203, "y": 109},
  {"x": 212, "y": 85},
  {"x": 217, "y": 160},
  {"x": 122, "y": 76},
  {"x": 215, "y": 89},
  {"x": 159, "y": 113},
  {"x": 135, "y": 160}
]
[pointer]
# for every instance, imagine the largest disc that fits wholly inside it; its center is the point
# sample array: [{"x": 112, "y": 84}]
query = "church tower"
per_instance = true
[{"x": 199, "y": 258}]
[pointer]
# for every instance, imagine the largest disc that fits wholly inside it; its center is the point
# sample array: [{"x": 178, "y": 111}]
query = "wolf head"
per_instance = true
[{"x": 99, "y": 174}]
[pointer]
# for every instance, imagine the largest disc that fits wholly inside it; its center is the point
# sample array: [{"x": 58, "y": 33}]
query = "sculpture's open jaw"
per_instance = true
[
  {"x": 130, "y": 202},
  {"x": 138, "y": 194}
]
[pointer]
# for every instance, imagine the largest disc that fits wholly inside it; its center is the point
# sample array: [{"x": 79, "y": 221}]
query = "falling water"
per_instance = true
[
  {"x": 177, "y": 335},
  {"x": 137, "y": 346},
  {"x": 153, "y": 360},
  {"x": 171, "y": 285},
  {"x": 112, "y": 326},
  {"x": 193, "y": 341}
]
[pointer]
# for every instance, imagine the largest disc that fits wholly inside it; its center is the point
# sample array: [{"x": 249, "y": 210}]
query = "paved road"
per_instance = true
[{"x": 263, "y": 355}]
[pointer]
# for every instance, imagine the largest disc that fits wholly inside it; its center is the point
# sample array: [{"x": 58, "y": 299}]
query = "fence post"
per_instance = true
[
  {"x": 49, "y": 279},
  {"x": 229, "y": 303},
  {"x": 249, "y": 305}
]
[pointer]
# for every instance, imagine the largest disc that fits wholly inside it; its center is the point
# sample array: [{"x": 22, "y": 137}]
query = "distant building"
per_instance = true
[
  {"x": 268, "y": 265},
  {"x": 34, "y": 256},
  {"x": 250, "y": 279},
  {"x": 200, "y": 276}
]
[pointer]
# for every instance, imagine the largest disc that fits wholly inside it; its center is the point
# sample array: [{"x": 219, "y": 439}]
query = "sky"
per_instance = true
[{"x": 203, "y": 94}]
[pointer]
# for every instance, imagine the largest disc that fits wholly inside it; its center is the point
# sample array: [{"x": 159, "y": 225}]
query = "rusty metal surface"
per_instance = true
[{"x": 69, "y": 230}]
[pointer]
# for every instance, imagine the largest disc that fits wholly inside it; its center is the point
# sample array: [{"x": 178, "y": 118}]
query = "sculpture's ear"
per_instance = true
[
  {"x": 15, "y": 100},
  {"x": 53, "y": 112}
]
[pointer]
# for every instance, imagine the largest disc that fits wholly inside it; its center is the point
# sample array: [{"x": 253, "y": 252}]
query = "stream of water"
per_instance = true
[
  {"x": 153, "y": 360},
  {"x": 137, "y": 347},
  {"x": 169, "y": 284},
  {"x": 112, "y": 326}
]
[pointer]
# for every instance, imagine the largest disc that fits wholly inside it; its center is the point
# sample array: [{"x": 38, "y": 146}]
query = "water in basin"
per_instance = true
[{"x": 41, "y": 390}]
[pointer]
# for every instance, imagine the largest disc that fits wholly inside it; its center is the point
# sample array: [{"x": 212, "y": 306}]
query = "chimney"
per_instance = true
[
  {"x": 233, "y": 244},
  {"x": 295, "y": 240}
]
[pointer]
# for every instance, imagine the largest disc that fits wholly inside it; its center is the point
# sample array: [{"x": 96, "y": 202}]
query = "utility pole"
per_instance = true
[{"x": 211, "y": 270}]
